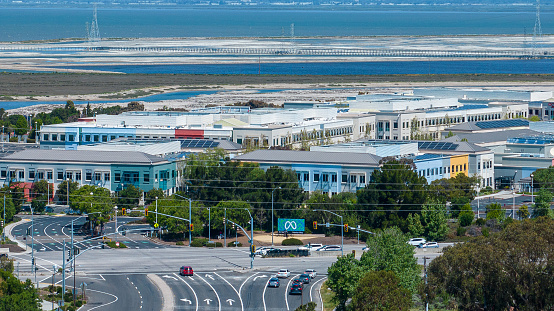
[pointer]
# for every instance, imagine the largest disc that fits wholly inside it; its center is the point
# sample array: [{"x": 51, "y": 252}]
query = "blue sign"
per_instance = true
[{"x": 291, "y": 225}]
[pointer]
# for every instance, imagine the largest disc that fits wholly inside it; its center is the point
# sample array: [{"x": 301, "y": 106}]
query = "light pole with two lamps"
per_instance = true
[
  {"x": 190, "y": 215},
  {"x": 272, "y": 227}
]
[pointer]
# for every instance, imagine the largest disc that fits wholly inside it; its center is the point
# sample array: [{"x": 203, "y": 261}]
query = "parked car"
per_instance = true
[
  {"x": 305, "y": 278},
  {"x": 295, "y": 289},
  {"x": 186, "y": 271},
  {"x": 329, "y": 248},
  {"x": 417, "y": 241},
  {"x": 260, "y": 251},
  {"x": 273, "y": 282},
  {"x": 283, "y": 273},
  {"x": 310, "y": 247},
  {"x": 311, "y": 273},
  {"x": 429, "y": 245}
]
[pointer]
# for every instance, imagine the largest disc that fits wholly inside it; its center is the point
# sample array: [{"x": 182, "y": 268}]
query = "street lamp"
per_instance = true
[
  {"x": 272, "y": 227},
  {"x": 341, "y": 229},
  {"x": 4, "y": 218},
  {"x": 532, "y": 186},
  {"x": 115, "y": 208},
  {"x": 190, "y": 215},
  {"x": 33, "y": 263},
  {"x": 251, "y": 237}
]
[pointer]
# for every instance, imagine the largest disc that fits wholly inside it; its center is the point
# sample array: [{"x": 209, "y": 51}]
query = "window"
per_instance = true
[
  {"x": 239, "y": 141},
  {"x": 334, "y": 178},
  {"x": 106, "y": 177},
  {"x": 306, "y": 177},
  {"x": 440, "y": 170},
  {"x": 395, "y": 124},
  {"x": 449, "y": 170},
  {"x": 21, "y": 174},
  {"x": 432, "y": 172},
  {"x": 362, "y": 179},
  {"x": 428, "y": 173},
  {"x": 40, "y": 175},
  {"x": 146, "y": 178},
  {"x": 31, "y": 174},
  {"x": 344, "y": 178},
  {"x": 316, "y": 177},
  {"x": 478, "y": 165},
  {"x": 88, "y": 175},
  {"x": 117, "y": 177},
  {"x": 71, "y": 137},
  {"x": 353, "y": 179},
  {"x": 465, "y": 167},
  {"x": 62, "y": 137},
  {"x": 45, "y": 137},
  {"x": 96, "y": 138},
  {"x": 112, "y": 137},
  {"x": 78, "y": 176},
  {"x": 60, "y": 175},
  {"x": 156, "y": 177},
  {"x": 69, "y": 175},
  {"x": 49, "y": 175},
  {"x": 325, "y": 177},
  {"x": 54, "y": 137},
  {"x": 104, "y": 138},
  {"x": 97, "y": 176},
  {"x": 3, "y": 174}
]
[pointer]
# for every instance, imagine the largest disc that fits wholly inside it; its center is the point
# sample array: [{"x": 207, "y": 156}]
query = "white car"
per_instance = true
[
  {"x": 283, "y": 273},
  {"x": 417, "y": 241},
  {"x": 311, "y": 273},
  {"x": 310, "y": 247},
  {"x": 329, "y": 248},
  {"x": 429, "y": 245},
  {"x": 260, "y": 251}
]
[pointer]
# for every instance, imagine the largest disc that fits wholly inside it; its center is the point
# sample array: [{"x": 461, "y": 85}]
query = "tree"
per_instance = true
[
  {"x": 343, "y": 276},
  {"x": 100, "y": 202},
  {"x": 175, "y": 206},
  {"x": 534, "y": 118},
  {"x": 433, "y": 216},
  {"x": 381, "y": 291},
  {"x": 62, "y": 190},
  {"x": 466, "y": 216},
  {"x": 523, "y": 212},
  {"x": 129, "y": 197},
  {"x": 544, "y": 178},
  {"x": 41, "y": 188},
  {"x": 414, "y": 225},
  {"x": 39, "y": 203},
  {"x": 458, "y": 190},
  {"x": 509, "y": 270},
  {"x": 310, "y": 306},
  {"x": 152, "y": 194},
  {"x": 14, "y": 294},
  {"x": 21, "y": 126},
  {"x": 391, "y": 194},
  {"x": 495, "y": 211},
  {"x": 542, "y": 204}
]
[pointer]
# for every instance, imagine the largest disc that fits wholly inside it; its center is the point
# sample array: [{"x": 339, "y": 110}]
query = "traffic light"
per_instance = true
[
  {"x": 345, "y": 227},
  {"x": 252, "y": 248},
  {"x": 146, "y": 211},
  {"x": 2, "y": 223},
  {"x": 223, "y": 220},
  {"x": 191, "y": 227},
  {"x": 315, "y": 225},
  {"x": 123, "y": 211}
]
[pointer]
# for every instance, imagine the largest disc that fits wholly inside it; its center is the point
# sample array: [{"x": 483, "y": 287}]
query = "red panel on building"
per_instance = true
[{"x": 187, "y": 133}]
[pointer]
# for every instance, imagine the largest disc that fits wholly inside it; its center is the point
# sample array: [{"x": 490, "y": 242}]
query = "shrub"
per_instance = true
[
  {"x": 181, "y": 243},
  {"x": 232, "y": 244},
  {"x": 461, "y": 231},
  {"x": 480, "y": 222},
  {"x": 292, "y": 241},
  {"x": 465, "y": 219},
  {"x": 198, "y": 242},
  {"x": 485, "y": 232},
  {"x": 218, "y": 244},
  {"x": 135, "y": 214}
]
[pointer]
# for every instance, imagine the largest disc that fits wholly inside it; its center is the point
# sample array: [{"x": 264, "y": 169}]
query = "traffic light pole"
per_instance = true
[
  {"x": 341, "y": 230},
  {"x": 250, "y": 238},
  {"x": 190, "y": 216}
]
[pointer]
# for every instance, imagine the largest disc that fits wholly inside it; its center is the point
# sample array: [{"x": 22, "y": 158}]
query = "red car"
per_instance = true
[{"x": 186, "y": 271}]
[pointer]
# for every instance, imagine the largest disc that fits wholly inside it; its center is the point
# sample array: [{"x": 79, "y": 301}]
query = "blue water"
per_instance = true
[
  {"x": 20, "y": 24},
  {"x": 151, "y": 98},
  {"x": 512, "y": 66}
]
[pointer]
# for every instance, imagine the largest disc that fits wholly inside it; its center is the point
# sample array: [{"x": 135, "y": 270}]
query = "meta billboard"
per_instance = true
[{"x": 291, "y": 225}]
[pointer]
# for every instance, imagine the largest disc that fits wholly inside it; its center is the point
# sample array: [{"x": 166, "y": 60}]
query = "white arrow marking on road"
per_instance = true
[
  {"x": 169, "y": 277},
  {"x": 230, "y": 301},
  {"x": 207, "y": 300},
  {"x": 260, "y": 276},
  {"x": 186, "y": 300},
  {"x": 209, "y": 276}
]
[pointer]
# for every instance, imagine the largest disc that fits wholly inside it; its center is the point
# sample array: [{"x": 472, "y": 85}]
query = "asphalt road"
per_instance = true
[{"x": 121, "y": 279}]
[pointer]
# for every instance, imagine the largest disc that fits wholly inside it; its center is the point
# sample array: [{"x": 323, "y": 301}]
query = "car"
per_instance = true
[
  {"x": 283, "y": 273},
  {"x": 186, "y": 271},
  {"x": 310, "y": 246},
  {"x": 417, "y": 241},
  {"x": 429, "y": 245},
  {"x": 311, "y": 273},
  {"x": 305, "y": 278},
  {"x": 260, "y": 251},
  {"x": 329, "y": 248},
  {"x": 273, "y": 282},
  {"x": 297, "y": 281},
  {"x": 365, "y": 249},
  {"x": 295, "y": 289}
]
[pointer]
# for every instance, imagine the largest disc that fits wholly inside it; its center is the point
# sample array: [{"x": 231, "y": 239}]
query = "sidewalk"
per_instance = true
[{"x": 12, "y": 238}]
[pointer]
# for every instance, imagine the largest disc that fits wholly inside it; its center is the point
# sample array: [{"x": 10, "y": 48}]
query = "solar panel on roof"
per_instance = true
[
  {"x": 433, "y": 145},
  {"x": 501, "y": 123},
  {"x": 198, "y": 143}
]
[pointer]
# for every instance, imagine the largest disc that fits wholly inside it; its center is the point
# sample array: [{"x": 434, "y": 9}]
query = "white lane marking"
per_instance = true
[
  {"x": 230, "y": 301},
  {"x": 240, "y": 298},
  {"x": 241, "y": 285},
  {"x": 36, "y": 258},
  {"x": 260, "y": 276},
  {"x": 169, "y": 277},
  {"x": 313, "y": 285},
  {"x": 207, "y": 300},
  {"x": 195, "y": 297},
  {"x": 321, "y": 298},
  {"x": 216, "y": 294},
  {"x": 103, "y": 305},
  {"x": 287, "y": 291},
  {"x": 209, "y": 276},
  {"x": 186, "y": 300},
  {"x": 263, "y": 297},
  {"x": 46, "y": 233}
]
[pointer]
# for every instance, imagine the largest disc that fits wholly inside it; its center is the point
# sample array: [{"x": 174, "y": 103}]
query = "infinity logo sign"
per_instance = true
[{"x": 290, "y": 225}]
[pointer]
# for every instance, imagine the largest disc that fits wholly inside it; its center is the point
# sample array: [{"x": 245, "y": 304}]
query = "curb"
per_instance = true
[{"x": 8, "y": 232}]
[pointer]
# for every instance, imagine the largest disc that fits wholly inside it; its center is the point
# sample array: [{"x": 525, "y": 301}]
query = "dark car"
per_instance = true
[
  {"x": 297, "y": 281},
  {"x": 273, "y": 282},
  {"x": 305, "y": 278},
  {"x": 295, "y": 289},
  {"x": 186, "y": 271}
]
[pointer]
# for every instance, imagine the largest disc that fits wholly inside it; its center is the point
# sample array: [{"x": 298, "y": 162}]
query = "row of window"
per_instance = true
[
  {"x": 94, "y": 137},
  {"x": 442, "y": 170},
  {"x": 486, "y": 165},
  {"x": 305, "y": 176}
]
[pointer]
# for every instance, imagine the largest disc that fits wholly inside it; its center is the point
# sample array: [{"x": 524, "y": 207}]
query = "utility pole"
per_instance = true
[
  {"x": 425, "y": 275},
  {"x": 225, "y": 229}
]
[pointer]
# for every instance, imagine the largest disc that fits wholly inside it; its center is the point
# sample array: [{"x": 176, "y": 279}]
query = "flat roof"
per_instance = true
[
  {"x": 88, "y": 156},
  {"x": 314, "y": 157}
]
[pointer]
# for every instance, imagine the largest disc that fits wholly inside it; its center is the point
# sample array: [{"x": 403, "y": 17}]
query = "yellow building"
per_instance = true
[{"x": 459, "y": 164}]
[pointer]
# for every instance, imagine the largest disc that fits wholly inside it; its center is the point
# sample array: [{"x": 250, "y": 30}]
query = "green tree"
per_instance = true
[
  {"x": 39, "y": 203},
  {"x": 495, "y": 211},
  {"x": 310, "y": 306},
  {"x": 41, "y": 188},
  {"x": 62, "y": 190},
  {"x": 414, "y": 225},
  {"x": 544, "y": 178},
  {"x": 392, "y": 193},
  {"x": 433, "y": 216},
  {"x": 466, "y": 216},
  {"x": 343, "y": 276},
  {"x": 523, "y": 212},
  {"x": 534, "y": 118},
  {"x": 92, "y": 199},
  {"x": 177, "y": 207},
  {"x": 458, "y": 190},
  {"x": 508, "y": 270},
  {"x": 21, "y": 126},
  {"x": 543, "y": 200},
  {"x": 152, "y": 194},
  {"x": 129, "y": 197},
  {"x": 381, "y": 291}
]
